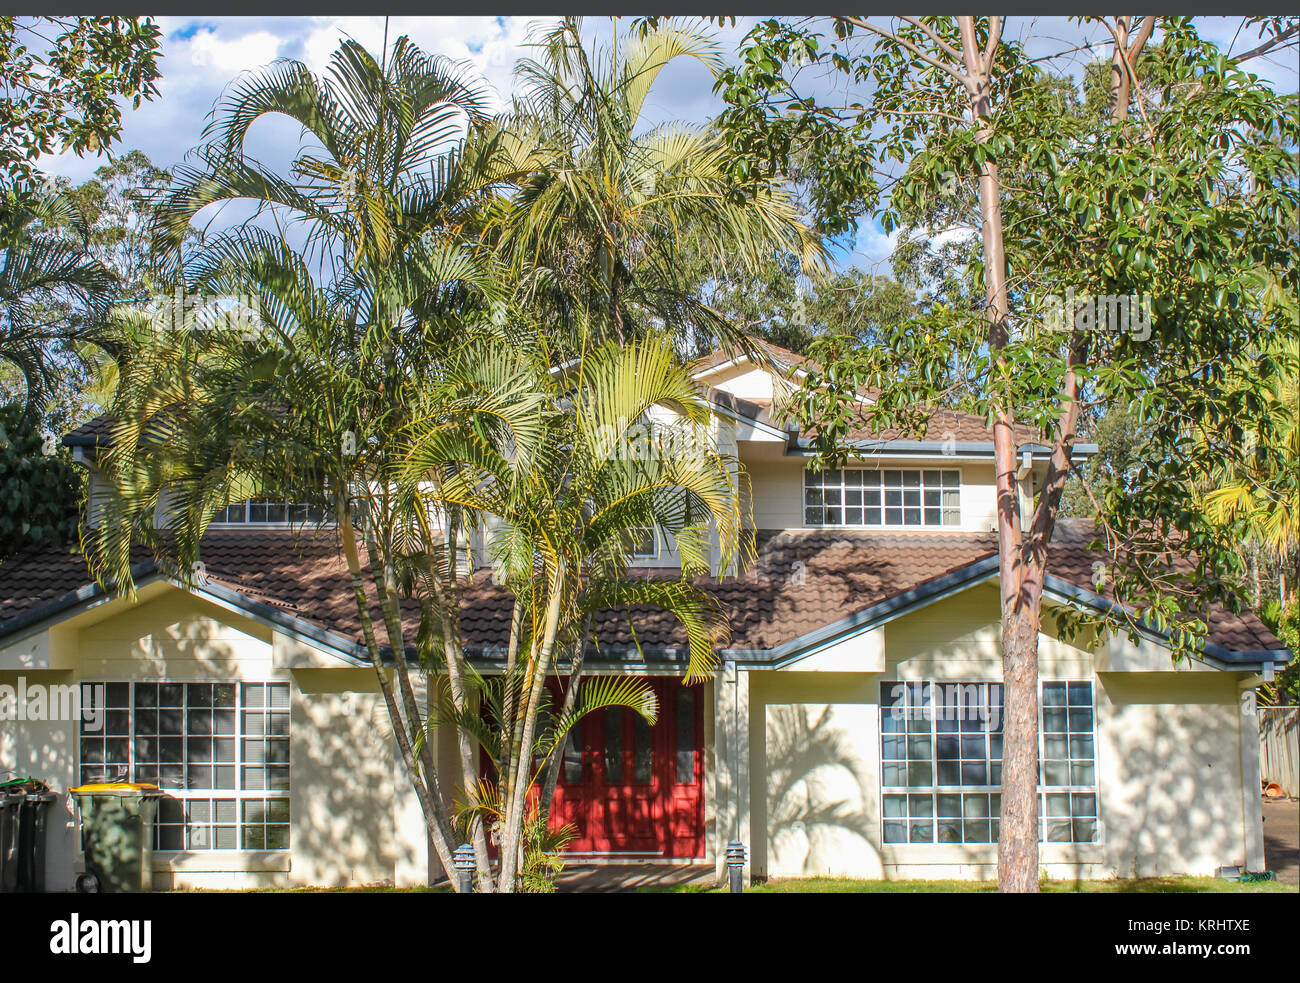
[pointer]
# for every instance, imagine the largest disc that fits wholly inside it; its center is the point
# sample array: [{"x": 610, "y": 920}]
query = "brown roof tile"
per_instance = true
[{"x": 799, "y": 582}]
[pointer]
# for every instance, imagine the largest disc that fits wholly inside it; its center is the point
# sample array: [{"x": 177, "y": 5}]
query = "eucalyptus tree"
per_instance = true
[
  {"x": 65, "y": 80},
  {"x": 602, "y": 200},
  {"x": 1165, "y": 208}
]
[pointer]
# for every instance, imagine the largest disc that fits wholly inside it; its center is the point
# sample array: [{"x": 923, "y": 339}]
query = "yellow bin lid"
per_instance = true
[{"x": 114, "y": 788}]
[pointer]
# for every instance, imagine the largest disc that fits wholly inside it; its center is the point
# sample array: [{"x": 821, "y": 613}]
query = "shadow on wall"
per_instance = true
[
  {"x": 342, "y": 783},
  {"x": 820, "y": 817},
  {"x": 1169, "y": 748}
]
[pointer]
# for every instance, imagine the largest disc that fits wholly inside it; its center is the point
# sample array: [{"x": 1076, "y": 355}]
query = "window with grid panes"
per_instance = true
[
  {"x": 1068, "y": 770},
  {"x": 870, "y": 497},
  {"x": 268, "y": 512},
  {"x": 218, "y": 751},
  {"x": 941, "y": 762}
]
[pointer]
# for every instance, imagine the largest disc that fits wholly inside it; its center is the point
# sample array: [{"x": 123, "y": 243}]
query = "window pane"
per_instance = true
[
  {"x": 686, "y": 735},
  {"x": 642, "y": 745},
  {"x": 614, "y": 746}
]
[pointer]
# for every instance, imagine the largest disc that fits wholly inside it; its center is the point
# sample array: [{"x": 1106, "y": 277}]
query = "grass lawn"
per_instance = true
[
  {"x": 845, "y": 885},
  {"x": 1141, "y": 885}
]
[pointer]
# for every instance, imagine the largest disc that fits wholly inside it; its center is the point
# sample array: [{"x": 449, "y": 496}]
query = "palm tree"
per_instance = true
[
  {"x": 53, "y": 293},
  {"x": 571, "y": 503},
  {"x": 386, "y": 203},
  {"x": 1261, "y": 492},
  {"x": 371, "y": 396},
  {"x": 602, "y": 202}
]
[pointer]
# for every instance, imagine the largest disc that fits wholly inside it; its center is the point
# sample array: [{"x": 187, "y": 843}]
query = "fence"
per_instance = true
[{"x": 1279, "y": 747}]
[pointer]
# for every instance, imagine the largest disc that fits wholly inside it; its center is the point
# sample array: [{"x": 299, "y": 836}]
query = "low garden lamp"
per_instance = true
[
  {"x": 463, "y": 859},
  {"x": 736, "y": 865}
]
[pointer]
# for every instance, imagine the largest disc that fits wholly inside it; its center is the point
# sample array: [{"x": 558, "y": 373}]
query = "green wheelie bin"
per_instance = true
[
  {"x": 117, "y": 836},
  {"x": 24, "y": 803},
  {"x": 10, "y": 807}
]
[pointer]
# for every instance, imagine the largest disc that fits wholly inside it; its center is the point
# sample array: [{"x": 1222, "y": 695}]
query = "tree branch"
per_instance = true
[{"x": 928, "y": 59}]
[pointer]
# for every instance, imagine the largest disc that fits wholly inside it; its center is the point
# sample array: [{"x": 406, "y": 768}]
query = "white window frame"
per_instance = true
[
  {"x": 883, "y": 524},
  {"x": 248, "y": 504},
  {"x": 238, "y": 794},
  {"x": 934, "y": 789}
]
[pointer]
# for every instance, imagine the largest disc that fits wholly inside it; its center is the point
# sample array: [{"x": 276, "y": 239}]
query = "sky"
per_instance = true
[{"x": 201, "y": 56}]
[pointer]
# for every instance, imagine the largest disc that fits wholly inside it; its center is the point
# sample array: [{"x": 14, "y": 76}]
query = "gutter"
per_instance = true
[
  {"x": 1216, "y": 655},
  {"x": 803, "y": 447}
]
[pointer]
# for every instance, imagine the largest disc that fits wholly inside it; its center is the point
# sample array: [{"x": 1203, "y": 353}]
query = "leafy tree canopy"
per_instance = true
[{"x": 63, "y": 79}]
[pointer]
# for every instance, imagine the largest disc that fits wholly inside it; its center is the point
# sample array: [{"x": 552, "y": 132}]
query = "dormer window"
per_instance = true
[
  {"x": 872, "y": 497},
  {"x": 268, "y": 512}
]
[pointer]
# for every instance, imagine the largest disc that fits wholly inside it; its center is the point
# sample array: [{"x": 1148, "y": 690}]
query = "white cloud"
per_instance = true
[{"x": 205, "y": 49}]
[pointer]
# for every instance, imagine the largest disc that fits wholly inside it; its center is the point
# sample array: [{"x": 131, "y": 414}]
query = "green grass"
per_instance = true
[
  {"x": 845, "y": 885},
  {"x": 1141, "y": 885},
  {"x": 366, "y": 889}
]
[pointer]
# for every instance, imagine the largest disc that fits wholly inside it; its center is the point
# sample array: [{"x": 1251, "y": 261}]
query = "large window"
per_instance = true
[
  {"x": 268, "y": 512},
  {"x": 868, "y": 497},
  {"x": 941, "y": 762},
  {"x": 218, "y": 751}
]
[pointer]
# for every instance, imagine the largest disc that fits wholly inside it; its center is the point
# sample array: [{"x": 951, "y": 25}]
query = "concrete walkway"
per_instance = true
[
  {"x": 628, "y": 878},
  {"x": 1282, "y": 838}
]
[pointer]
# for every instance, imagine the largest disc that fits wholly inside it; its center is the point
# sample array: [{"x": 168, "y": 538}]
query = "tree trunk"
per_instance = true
[
  {"x": 570, "y": 700},
  {"x": 426, "y": 786},
  {"x": 517, "y": 803},
  {"x": 448, "y": 598},
  {"x": 1018, "y": 838}
]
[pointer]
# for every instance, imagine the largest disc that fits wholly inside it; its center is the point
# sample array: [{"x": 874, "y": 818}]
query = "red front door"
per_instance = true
[{"x": 636, "y": 790}]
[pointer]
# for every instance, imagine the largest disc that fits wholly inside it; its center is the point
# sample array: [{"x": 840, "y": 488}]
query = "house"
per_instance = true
[{"x": 852, "y": 726}]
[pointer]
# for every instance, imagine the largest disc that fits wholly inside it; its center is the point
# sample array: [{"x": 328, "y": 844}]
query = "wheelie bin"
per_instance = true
[{"x": 117, "y": 836}]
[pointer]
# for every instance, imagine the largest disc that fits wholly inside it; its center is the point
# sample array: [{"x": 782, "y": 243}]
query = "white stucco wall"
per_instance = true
[
  {"x": 1168, "y": 758},
  {"x": 354, "y": 818}
]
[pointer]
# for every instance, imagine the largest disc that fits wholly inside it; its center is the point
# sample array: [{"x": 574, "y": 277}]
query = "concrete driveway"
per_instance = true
[{"x": 1282, "y": 838}]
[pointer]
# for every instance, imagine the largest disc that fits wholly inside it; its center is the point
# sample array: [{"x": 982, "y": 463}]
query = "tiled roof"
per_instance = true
[
  {"x": 1070, "y": 559},
  {"x": 90, "y": 433},
  {"x": 801, "y": 581},
  {"x": 940, "y": 426}
]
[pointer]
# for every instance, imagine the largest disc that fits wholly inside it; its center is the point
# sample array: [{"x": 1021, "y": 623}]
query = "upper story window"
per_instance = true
[
  {"x": 269, "y": 512},
  {"x": 871, "y": 497},
  {"x": 645, "y": 543}
]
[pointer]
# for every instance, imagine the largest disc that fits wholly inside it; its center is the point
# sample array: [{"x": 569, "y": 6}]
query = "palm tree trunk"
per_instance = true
[
  {"x": 570, "y": 700},
  {"x": 449, "y": 601},
  {"x": 511, "y": 836},
  {"x": 429, "y": 794}
]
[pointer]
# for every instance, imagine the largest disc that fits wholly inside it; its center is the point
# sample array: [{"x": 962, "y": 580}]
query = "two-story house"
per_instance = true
[{"x": 852, "y": 727}]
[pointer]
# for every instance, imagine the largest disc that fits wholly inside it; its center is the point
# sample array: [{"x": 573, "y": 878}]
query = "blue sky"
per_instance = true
[{"x": 202, "y": 55}]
